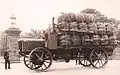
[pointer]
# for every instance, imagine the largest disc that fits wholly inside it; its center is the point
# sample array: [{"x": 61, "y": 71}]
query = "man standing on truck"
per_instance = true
[{"x": 7, "y": 62}]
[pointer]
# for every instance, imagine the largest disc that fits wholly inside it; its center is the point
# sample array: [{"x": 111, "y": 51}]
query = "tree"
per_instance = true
[
  {"x": 3, "y": 42},
  {"x": 33, "y": 34},
  {"x": 117, "y": 30}
]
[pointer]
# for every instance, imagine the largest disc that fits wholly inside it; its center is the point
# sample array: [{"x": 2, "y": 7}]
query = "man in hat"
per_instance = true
[{"x": 7, "y": 62}]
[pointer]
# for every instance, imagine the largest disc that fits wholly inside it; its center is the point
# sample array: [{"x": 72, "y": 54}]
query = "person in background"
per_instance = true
[{"x": 7, "y": 62}]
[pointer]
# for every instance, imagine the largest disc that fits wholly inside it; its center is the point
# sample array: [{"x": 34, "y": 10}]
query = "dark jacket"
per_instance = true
[{"x": 6, "y": 55}]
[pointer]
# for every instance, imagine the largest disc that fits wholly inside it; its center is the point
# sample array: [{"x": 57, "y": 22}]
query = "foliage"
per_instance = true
[
  {"x": 3, "y": 42},
  {"x": 33, "y": 34}
]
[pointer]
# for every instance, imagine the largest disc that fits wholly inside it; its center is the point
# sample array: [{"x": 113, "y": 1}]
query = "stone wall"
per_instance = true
[{"x": 12, "y": 44}]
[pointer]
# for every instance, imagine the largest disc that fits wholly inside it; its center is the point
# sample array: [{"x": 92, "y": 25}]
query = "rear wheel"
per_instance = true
[
  {"x": 84, "y": 61},
  {"x": 98, "y": 58},
  {"x": 40, "y": 57}
]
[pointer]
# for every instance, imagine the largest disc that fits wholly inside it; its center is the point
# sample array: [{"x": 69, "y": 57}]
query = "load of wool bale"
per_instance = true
[{"x": 81, "y": 29}]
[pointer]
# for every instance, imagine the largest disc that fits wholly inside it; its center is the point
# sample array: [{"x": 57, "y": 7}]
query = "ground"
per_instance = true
[{"x": 62, "y": 68}]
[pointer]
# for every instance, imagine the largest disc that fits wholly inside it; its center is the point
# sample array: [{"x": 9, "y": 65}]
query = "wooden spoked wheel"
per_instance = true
[
  {"x": 98, "y": 58},
  {"x": 40, "y": 58},
  {"x": 84, "y": 61},
  {"x": 26, "y": 61}
]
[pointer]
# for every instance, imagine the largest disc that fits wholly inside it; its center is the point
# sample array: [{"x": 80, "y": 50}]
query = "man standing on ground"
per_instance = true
[{"x": 7, "y": 62}]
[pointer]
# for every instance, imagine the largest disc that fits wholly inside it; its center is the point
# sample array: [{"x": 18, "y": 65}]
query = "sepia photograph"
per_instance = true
[{"x": 59, "y": 37}]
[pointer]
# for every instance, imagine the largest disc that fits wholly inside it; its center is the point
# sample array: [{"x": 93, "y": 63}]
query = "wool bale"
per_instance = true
[
  {"x": 104, "y": 40},
  {"x": 73, "y": 26},
  {"x": 95, "y": 40},
  {"x": 87, "y": 40},
  {"x": 76, "y": 40},
  {"x": 109, "y": 28},
  {"x": 92, "y": 27},
  {"x": 65, "y": 40},
  {"x": 100, "y": 28},
  {"x": 112, "y": 40}
]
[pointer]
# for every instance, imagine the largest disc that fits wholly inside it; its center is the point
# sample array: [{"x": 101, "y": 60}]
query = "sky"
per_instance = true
[{"x": 37, "y": 14}]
